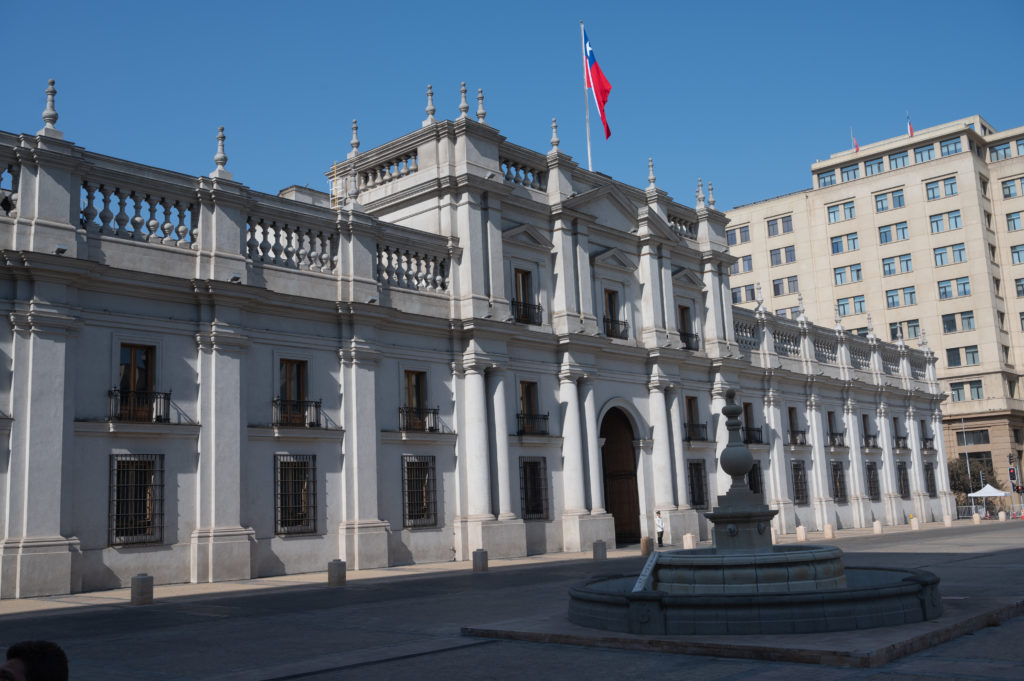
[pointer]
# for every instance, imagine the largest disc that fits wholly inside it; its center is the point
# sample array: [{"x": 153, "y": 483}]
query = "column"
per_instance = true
[
  {"x": 500, "y": 440},
  {"x": 475, "y": 445},
  {"x": 660, "y": 437},
  {"x": 679, "y": 454},
  {"x": 824, "y": 504},
  {"x": 572, "y": 446},
  {"x": 565, "y": 314},
  {"x": 917, "y": 487},
  {"x": 946, "y": 498},
  {"x": 860, "y": 503},
  {"x": 593, "y": 447},
  {"x": 893, "y": 509},
  {"x": 780, "y": 495}
]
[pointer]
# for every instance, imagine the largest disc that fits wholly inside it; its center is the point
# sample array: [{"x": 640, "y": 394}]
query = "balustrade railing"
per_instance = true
[
  {"x": 276, "y": 242},
  {"x": 826, "y": 349},
  {"x": 523, "y": 174},
  {"x": 696, "y": 432},
  {"x": 899, "y": 441},
  {"x": 118, "y": 209},
  {"x": 690, "y": 340},
  {"x": 837, "y": 439},
  {"x": 297, "y": 413},
  {"x": 417, "y": 419},
  {"x": 871, "y": 441},
  {"x": 917, "y": 369},
  {"x": 890, "y": 363},
  {"x": 525, "y": 313},
  {"x": 682, "y": 226},
  {"x": 753, "y": 436},
  {"x": 383, "y": 172},
  {"x": 531, "y": 424},
  {"x": 616, "y": 328},
  {"x": 747, "y": 335},
  {"x": 787, "y": 344},
  {"x": 798, "y": 437},
  {"x": 860, "y": 357},
  {"x": 411, "y": 268},
  {"x": 139, "y": 406}
]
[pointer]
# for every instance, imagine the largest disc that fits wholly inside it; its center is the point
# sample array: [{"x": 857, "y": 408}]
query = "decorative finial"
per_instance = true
[
  {"x": 758, "y": 295},
  {"x": 800, "y": 316},
  {"x": 700, "y": 193},
  {"x": 650, "y": 172},
  {"x": 711, "y": 195},
  {"x": 463, "y": 104},
  {"x": 736, "y": 460},
  {"x": 480, "y": 113},
  {"x": 430, "y": 106},
  {"x": 924, "y": 340},
  {"x": 355, "y": 139},
  {"x": 50, "y": 113},
  {"x": 554, "y": 134},
  {"x": 220, "y": 158},
  {"x": 839, "y": 317}
]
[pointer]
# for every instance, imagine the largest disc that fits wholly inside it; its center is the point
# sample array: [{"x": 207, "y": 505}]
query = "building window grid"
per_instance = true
[
  {"x": 419, "y": 491},
  {"x": 925, "y": 153},
  {"x": 950, "y": 147},
  {"x": 850, "y": 173},
  {"x": 698, "y": 483},
  {"x": 949, "y": 186},
  {"x": 999, "y": 152},
  {"x": 800, "y": 495},
  {"x": 874, "y": 166},
  {"x": 1009, "y": 189},
  {"x": 294, "y": 493},
  {"x": 136, "y": 502},
  {"x": 533, "y": 487},
  {"x": 1017, "y": 254},
  {"x": 902, "y": 479},
  {"x": 898, "y": 160},
  {"x": 874, "y": 489},
  {"x": 929, "y": 480},
  {"x": 1013, "y": 222},
  {"x": 826, "y": 179},
  {"x": 838, "y": 482},
  {"x": 931, "y": 191}
]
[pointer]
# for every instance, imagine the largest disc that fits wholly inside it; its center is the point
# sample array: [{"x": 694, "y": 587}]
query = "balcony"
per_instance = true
[
  {"x": 928, "y": 443},
  {"x": 899, "y": 441},
  {"x": 837, "y": 439},
  {"x": 296, "y": 413},
  {"x": 613, "y": 328},
  {"x": 871, "y": 441},
  {"x": 696, "y": 432},
  {"x": 753, "y": 436},
  {"x": 690, "y": 340},
  {"x": 416, "y": 419},
  {"x": 525, "y": 313},
  {"x": 139, "y": 407},
  {"x": 531, "y": 424},
  {"x": 798, "y": 437}
]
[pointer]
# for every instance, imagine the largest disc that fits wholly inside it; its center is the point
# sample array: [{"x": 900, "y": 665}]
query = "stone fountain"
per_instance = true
[{"x": 747, "y": 585}]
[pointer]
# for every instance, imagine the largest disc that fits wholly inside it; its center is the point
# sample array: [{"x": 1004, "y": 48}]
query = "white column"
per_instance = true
[
  {"x": 893, "y": 514},
  {"x": 593, "y": 447},
  {"x": 820, "y": 469},
  {"x": 572, "y": 446},
  {"x": 475, "y": 446},
  {"x": 497, "y": 388},
  {"x": 947, "y": 501},
  {"x": 660, "y": 446},
  {"x": 917, "y": 487},
  {"x": 859, "y": 501},
  {"x": 779, "y": 496},
  {"x": 678, "y": 453}
]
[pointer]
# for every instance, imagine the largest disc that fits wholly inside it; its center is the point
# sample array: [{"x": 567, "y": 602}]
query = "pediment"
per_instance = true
[
  {"x": 615, "y": 259},
  {"x": 688, "y": 277},
  {"x": 607, "y": 204},
  {"x": 526, "y": 235}
]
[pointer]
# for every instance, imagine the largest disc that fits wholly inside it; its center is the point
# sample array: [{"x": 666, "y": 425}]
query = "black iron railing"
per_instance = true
[
  {"x": 690, "y": 340},
  {"x": 414, "y": 418},
  {"x": 696, "y": 432},
  {"x": 837, "y": 439},
  {"x": 753, "y": 436},
  {"x": 871, "y": 440},
  {"x": 899, "y": 441},
  {"x": 139, "y": 407},
  {"x": 798, "y": 437},
  {"x": 927, "y": 443},
  {"x": 526, "y": 313},
  {"x": 531, "y": 424},
  {"x": 614, "y": 328},
  {"x": 297, "y": 413}
]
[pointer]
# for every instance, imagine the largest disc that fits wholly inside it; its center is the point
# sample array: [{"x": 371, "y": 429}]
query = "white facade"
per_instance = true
[{"x": 480, "y": 348}]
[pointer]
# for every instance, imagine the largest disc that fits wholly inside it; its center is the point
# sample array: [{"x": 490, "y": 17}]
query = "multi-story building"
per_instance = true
[
  {"x": 474, "y": 345},
  {"x": 915, "y": 236}
]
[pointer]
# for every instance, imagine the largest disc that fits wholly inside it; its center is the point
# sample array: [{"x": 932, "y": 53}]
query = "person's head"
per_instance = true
[
  {"x": 657, "y": 513},
  {"x": 35, "y": 661}
]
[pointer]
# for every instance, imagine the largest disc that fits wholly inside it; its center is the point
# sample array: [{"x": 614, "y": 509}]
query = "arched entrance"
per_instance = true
[{"x": 620, "y": 489}]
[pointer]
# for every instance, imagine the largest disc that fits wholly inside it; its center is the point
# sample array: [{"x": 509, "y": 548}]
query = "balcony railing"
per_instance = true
[
  {"x": 798, "y": 437},
  {"x": 837, "y": 439},
  {"x": 696, "y": 432},
  {"x": 139, "y": 407},
  {"x": 531, "y": 424},
  {"x": 753, "y": 436},
  {"x": 614, "y": 328},
  {"x": 928, "y": 443},
  {"x": 297, "y": 413},
  {"x": 900, "y": 441},
  {"x": 414, "y": 418},
  {"x": 690, "y": 340},
  {"x": 525, "y": 313},
  {"x": 871, "y": 441}
]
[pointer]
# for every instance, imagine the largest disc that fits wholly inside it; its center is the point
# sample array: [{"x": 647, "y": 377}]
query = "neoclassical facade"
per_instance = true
[{"x": 466, "y": 344}]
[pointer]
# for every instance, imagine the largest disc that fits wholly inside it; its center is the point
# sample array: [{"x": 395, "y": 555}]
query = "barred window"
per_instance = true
[
  {"x": 533, "y": 487},
  {"x": 755, "y": 480},
  {"x": 295, "y": 493},
  {"x": 698, "y": 480},
  {"x": 419, "y": 492},
  {"x": 838, "y": 482},
  {"x": 800, "y": 497},
  {"x": 903, "y": 479},
  {"x": 136, "y": 499},
  {"x": 929, "y": 480},
  {"x": 874, "y": 491}
]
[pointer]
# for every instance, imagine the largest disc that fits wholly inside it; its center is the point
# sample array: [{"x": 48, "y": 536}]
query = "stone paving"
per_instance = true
[{"x": 407, "y": 622}]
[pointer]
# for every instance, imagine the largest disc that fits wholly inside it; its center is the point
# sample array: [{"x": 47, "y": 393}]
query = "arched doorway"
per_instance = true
[{"x": 620, "y": 489}]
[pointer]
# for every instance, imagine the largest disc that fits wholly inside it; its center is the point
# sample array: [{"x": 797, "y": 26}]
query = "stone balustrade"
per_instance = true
[
  {"x": 826, "y": 347},
  {"x": 412, "y": 260},
  {"x": 114, "y": 207},
  {"x": 682, "y": 226},
  {"x": 383, "y": 172},
  {"x": 522, "y": 172},
  {"x": 303, "y": 247}
]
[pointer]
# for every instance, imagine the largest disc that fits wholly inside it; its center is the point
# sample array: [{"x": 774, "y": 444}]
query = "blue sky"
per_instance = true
[{"x": 744, "y": 94}]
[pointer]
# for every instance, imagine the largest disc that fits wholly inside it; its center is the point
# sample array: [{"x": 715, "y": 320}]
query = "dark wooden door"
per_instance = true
[{"x": 620, "y": 490}]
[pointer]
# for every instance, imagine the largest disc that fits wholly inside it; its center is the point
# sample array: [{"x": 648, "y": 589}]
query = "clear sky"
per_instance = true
[{"x": 744, "y": 94}]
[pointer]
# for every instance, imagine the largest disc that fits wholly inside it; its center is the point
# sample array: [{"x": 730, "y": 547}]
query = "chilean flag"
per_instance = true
[
  {"x": 910, "y": 128},
  {"x": 596, "y": 81}
]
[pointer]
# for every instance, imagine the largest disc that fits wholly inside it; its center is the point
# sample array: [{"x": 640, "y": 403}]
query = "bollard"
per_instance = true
[
  {"x": 830, "y": 531},
  {"x": 1002, "y": 516},
  {"x": 801, "y": 533},
  {"x": 976, "y": 518},
  {"x": 877, "y": 527},
  {"x": 689, "y": 541},
  {"x": 915, "y": 524},
  {"x": 646, "y": 546},
  {"x": 480, "y": 561},
  {"x": 775, "y": 537},
  {"x": 336, "y": 573},
  {"x": 142, "y": 589},
  {"x": 600, "y": 550}
]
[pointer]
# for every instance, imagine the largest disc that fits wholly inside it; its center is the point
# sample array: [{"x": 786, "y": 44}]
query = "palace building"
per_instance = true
[{"x": 465, "y": 344}]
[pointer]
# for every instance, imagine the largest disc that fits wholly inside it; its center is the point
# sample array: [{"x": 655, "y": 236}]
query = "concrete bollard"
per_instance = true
[
  {"x": 336, "y": 573},
  {"x": 689, "y": 541},
  {"x": 976, "y": 519},
  {"x": 947, "y": 520},
  {"x": 876, "y": 527},
  {"x": 600, "y": 550},
  {"x": 1002, "y": 516},
  {"x": 830, "y": 531},
  {"x": 479, "y": 561},
  {"x": 775, "y": 537},
  {"x": 646, "y": 546},
  {"x": 801, "y": 533},
  {"x": 142, "y": 589},
  {"x": 915, "y": 524}
]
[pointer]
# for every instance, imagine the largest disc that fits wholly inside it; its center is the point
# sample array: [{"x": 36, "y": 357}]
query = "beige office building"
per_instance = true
[{"x": 918, "y": 236}]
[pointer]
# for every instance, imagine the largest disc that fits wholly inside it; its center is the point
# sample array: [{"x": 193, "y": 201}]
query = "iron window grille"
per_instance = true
[
  {"x": 929, "y": 480},
  {"x": 838, "y": 482},
  {"x": 300, "y": 413},
  {"x": 690, "y": 340},
  {"x": 800, "y": 496},
  {"x": 414, "y": 418},
  {"x": 531, "y": 424},
  {"x": 837, "y": 439},
  {"x": 526, "y": 313},
  {"x": 874, "y": 491},
  {"x": 136, "y": 499},
  {"x": 798, "y": 437},
  {"x": 698, "y": 481},
  {"x": 533, "y": 487},
  {"x": 871, "y": 440},
  {"x": 138, "y": 406},
  {"x": 696, "y": 432},
  {"x": 755, "y": 480},
  {"x": 419, "y": 491},
  {"x": 903, "y": 479},
  {"x": 614, "y": 328},
  {"x": 295, "y": 493},
  {"x": 753, "y": 436}
]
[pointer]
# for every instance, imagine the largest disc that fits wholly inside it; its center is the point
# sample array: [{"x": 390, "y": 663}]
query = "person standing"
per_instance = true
[{"x": 659, "y": 525}]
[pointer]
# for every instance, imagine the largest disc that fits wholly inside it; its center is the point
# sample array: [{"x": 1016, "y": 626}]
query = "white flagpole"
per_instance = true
[{"x": 586, "y": 102}]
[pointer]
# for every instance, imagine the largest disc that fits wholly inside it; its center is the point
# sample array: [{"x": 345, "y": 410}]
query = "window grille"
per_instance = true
[
  {"x": 419, "y": 491},
  {"x": 800, "y": 496},
  {"x": 136, "y": 499},
  {"x": 755, "y": 480},
  {"x": 903, "y": 479},
  {"x": 295, "y": 497},
  {"x": 533, "y": 487},
  {"x": 929, "y": 480},
  {"x": 874, "y": 491},
  {"x": 698, "y": 481},
  {"x": 838, "y": 482}
]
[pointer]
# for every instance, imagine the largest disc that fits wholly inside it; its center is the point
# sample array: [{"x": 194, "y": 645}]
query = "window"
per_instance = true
[
  {"x": 905, "y": 263},
  {"x": 949, "y": 323},
  {"x": 885, "y": 234},
  {"x": 971, "y": 355},
  {"x": 291, "y": 399},
  {"x": 922, "y": 154},
  {"x": 533, "y": 487},
  {"x": 837, "y": 244},
  {"x": 748, "y": 263},
  {"x": 898, "y": 160},
  {"x": 136, "y": 400},
  {"x": 840, "y": 275},
  {"x": 1013, "y": 221},
  {"x": 833, "y": 213},
  {"x": 959, "y": 253},
  {"x": 778, "y": 287},
  {"x": 776, "y": 256},
  {"x": 855, "y": 273},
  {"x": 984, "y": 186},
  {"x": 956, "y": 392},
  {"x": 136, "y": 499},
  {"x": 734, "y": 268},
  {"x": 929, "y": 479},
  {"x": 851, "y": 242},
  {"x": 755, "y": 480},
  {"x": 790, "y": 252},
  {"x": 874, "y": 490},
  {"x": 858, "y": 305},
  {"x": 738, "y": 235},
  {"x": 897, "y": 198},
  {"x": 1017, "y": 253},
  {"x": 888, "y": 266},
  {"x": 892, "y": 298},
  {"x": 938, "y": 223},
  {"x": 698, "y": 481},
  {"x": 952, "y": 357},
  {"x": 749, "y": 291},
  {"x": 851, "y": 173},
  {"x": 909, "y": 295},
  {"x": 294, "y": 494},
  {"x": 800, "y": 496},
  {"x": 1020, "y": 147},
  {"x": 913, "y": 328},
  {"x": 1019, "y": 285},
  {"x": 843, "y": 307},
  {"x": 793, "y": 284},
  {"x": 976, "y": 391},
  {"x": 881, "y": 203},
  {"x": 999, "y": 152},
  {"x": 787, "y": 224},
  {"x": 967, "y": 320},
  {"x": 972, "y": 437},
  {"x": 838, "y": 482},
  {"x": 954, "y": 219},
  {"x": 963, "y": 286},
  {"x": 902, "y": 479},
  {"x": 949, "y": 147},
  {"x": 895, "y": 330},
  {"x": 949, "y": 186},
  {"x": 773, "y": 228},
  {"x": 945, "y": 289},
  {"x": 737, "y": 294},
  {"x": 1009, "y": 189},
  {"x": 941, "y": 256},
  {"x": 931, "y": 191},
  {"x": 419, "y": 493},
  {"x": 848, "y": 211},
  {"x": 827, "y": 179},
  {"x": 900, "y": 229},
  {"x": 874, "y": 166},
  {"x": 730, "y": 237}
]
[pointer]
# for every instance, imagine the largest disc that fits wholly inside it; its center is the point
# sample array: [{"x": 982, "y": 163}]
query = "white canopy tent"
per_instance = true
[{"x": 988, "y": 491}]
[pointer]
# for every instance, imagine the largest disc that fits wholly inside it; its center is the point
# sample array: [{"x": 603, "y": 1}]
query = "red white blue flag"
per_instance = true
[
  {"x": 910, "y": 128},
  {"x": 596, "y": 82}
]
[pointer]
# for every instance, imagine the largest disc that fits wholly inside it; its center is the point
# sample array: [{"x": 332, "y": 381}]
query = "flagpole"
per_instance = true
[{"x": 586, "y": 102}]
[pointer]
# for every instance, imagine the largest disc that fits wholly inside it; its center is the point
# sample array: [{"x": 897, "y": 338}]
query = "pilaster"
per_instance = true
[
  {"x": 824, "y": 504},
  {"x": 780, "y": 496},
  {"x": 860, "y": 502},
  {"x": 893, "y": 504}
]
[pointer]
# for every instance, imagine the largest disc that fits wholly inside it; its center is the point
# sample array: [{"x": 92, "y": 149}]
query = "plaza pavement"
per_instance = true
[{"x": 410, "y": 622}]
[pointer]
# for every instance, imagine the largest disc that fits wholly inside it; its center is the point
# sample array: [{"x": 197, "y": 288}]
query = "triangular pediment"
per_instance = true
[
  {"x": 688, "y": 277},
  {"x": 607, "y": 204},
  {"x": 615, "y": 259},
  {"x": 526, "y": 235}
]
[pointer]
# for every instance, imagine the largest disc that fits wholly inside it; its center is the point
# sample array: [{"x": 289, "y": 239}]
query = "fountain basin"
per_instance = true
[{"x": 780, "y": 569}]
